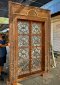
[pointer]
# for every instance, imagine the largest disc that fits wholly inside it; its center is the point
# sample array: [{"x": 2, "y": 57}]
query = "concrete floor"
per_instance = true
[{"x": 52, "y": 78}]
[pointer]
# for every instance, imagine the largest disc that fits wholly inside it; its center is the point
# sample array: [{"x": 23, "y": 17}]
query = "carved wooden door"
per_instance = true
[
  {"x": 29, "y": 46},
  {"x": 29, "y": 37}
]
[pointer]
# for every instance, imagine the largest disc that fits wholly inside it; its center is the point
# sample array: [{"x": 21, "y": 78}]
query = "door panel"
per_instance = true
[
  {"x": 36, "y": 59},
  {"x": 36, "y": 46},
  {"x": 23, "y": 45},
  {"x": 29, "y": 47}
]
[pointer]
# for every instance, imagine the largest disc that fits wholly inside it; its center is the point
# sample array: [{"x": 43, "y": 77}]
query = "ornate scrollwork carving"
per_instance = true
[{"x": 32, "y": 12}]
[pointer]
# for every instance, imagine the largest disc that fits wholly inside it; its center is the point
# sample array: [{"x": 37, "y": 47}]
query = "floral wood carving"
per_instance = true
[{"x": 32, "y": 13}]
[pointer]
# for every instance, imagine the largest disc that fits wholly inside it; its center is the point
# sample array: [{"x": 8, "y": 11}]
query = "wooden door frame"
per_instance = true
[
  {"x": 43, "y": 38},
  {"x": 34, "y": 14}
]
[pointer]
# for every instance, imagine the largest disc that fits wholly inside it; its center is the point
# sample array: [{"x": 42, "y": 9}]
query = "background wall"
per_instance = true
[{"x": 55, "y": 33}]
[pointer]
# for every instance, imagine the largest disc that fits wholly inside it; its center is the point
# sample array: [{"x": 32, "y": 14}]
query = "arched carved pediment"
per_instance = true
[{"x": 32, "y": 12}]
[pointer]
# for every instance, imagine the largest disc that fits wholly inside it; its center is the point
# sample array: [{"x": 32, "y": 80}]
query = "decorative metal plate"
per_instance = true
[
  {"x": 36, "y": 58},
  {"x": 24, "y": 53},
  {"x": 36, "y": 64},
  {"x": 36, "y": 41},
  {"x": 23, "y": 40},
  {"x": 23, "y": 27},
  {"x": 36, "y": 52},
  {"x": 36, "y": 28},
  {"x": 23, "y": 61}
]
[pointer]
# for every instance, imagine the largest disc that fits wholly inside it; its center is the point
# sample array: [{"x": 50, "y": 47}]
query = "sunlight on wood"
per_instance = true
[{"x": 19, "y": 84}]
